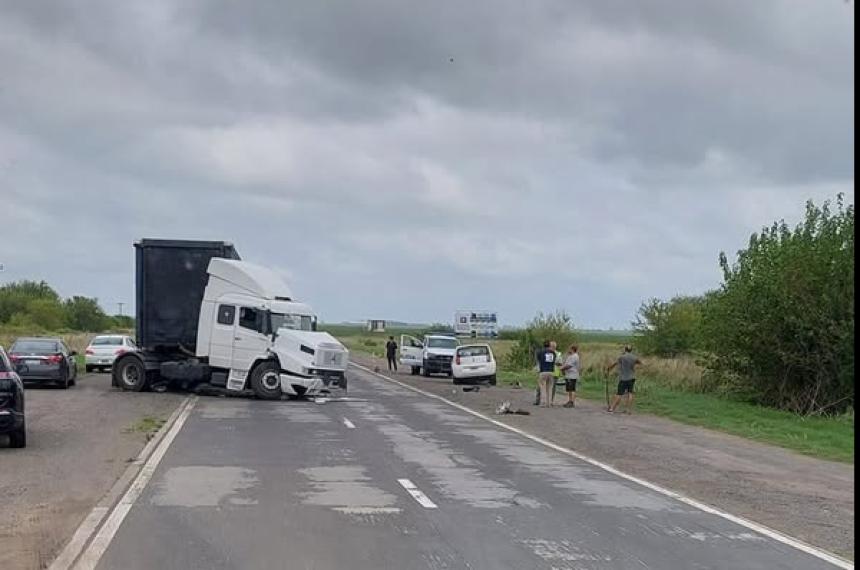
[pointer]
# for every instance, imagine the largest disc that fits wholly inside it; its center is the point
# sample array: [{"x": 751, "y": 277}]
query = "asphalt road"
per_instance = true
[
  {"x": 402, "y": 481},
  {"x": 79, "y": 441}
]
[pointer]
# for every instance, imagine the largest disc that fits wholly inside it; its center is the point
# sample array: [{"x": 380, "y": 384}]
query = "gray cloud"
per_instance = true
[{"x": 523, "y": 156}]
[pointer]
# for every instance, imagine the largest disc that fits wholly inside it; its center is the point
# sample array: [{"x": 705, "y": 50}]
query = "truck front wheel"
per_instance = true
[
  {"x": 266, "y": 381},
  {"x": 130, "y": 374}
]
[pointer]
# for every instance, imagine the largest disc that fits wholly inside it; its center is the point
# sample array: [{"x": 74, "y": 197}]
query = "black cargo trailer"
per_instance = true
[{"x": 170, "y": 280}]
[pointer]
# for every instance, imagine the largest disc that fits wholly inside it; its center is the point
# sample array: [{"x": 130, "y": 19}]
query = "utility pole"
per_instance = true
[{"x": 120, "y": 308}]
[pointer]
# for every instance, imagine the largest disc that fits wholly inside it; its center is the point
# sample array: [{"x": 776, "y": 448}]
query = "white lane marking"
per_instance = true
[
  {"x": 416, "y": 493},
  {"x": 348, "y": 423},
  {"x": 73, "y": 549},
  {"x": 91, "y": 556},
  {"x": 79, "y": 539},
  {"x": 761, "y": 529}
]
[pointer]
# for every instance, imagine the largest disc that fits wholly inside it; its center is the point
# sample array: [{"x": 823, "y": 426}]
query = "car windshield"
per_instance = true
[
  {"x": 291, "y": 321},
  {"x": 473, "y": 351},
  {"x": 442, "y": 343},
  {"x": 36, "y": 346},
  {"x": 107, "y": 341}
]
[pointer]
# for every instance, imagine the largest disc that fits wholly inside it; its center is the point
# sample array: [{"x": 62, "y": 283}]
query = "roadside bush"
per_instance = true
[
  {"x": 16, "y": 298},
  {"x": 781, "y": 327},
  {"x": 47, "y": 313},
  {"x": 510, "y": 334},
  {"x": 557, "y": 326},
  {"x": 35, "y": 306},
  {"x": 668, "y": 328},
  {"x": 84, "y": 314},
  {"x": 122, "y": 322}
]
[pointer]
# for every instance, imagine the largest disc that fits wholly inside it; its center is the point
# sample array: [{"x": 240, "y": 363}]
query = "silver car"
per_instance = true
[
  {"x": 104, "y": 349},
  {"x": 45, "y": 360}
]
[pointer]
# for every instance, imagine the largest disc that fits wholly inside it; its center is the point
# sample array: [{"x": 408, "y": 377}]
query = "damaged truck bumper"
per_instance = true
[{"x": 312, "y": 386}]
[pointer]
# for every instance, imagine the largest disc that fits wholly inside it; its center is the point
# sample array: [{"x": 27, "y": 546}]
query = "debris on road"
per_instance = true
[{"x": 505, "y": 408}]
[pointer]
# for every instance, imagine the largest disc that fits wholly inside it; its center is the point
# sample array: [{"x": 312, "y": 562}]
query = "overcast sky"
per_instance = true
[{"x": 403, "y": 160}]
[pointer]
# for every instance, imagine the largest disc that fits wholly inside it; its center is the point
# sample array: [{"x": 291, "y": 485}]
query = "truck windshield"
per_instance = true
[
  {"x": 294, "y": 322},
  {"x": 442, "y": 343}
]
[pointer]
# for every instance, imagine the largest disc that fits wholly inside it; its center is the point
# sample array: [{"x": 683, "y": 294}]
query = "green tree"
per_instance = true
[
  {"x": 781, "y": 326},
  {"x": 47, "y": 313},
  {"x": 668, "y": 328},
  {"x": 122, "y": 322},
  {"x": 557, "y": 326},
  {"x": 84, "y": 314},
  {"x": 16, "y": 297}
]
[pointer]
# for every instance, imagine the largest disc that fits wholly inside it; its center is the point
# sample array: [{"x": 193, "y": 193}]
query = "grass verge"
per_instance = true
[{"x": 823, "y": 437}]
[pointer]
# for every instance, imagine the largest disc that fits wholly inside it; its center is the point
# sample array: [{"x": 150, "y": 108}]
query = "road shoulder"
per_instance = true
[{"x": 80, "y": 442}]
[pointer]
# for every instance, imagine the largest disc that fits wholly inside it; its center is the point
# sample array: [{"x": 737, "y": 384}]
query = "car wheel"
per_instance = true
[
  {"x": 425, "y": 370},
  {"x": 64, "y": 380},
  {"x": 493, "y": 380},
  {"x": 130, "y": 374},
  {"x": 89, "y": 368},
  {"x": 416, "y": 370},
  {"x": 265, "y": 381},
  {"x": 18, "y": 439}
]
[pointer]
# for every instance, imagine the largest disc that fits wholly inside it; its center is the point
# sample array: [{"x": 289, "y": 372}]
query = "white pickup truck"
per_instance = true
[{"x": 431, "y": 355}]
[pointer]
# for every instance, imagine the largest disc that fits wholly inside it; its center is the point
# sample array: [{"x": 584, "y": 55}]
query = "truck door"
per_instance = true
[
  {"x": 249, "y": 340},
  {"x": 221, "y": 339},
  {"x": 411, "y": 351}
]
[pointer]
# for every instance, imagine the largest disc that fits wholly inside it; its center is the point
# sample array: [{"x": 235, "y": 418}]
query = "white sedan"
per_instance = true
[
  {"x": 104, "y": 349},
  {"x": 474, "y": 362}
]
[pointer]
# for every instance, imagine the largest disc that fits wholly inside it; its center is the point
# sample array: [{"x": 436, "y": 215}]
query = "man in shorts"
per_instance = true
[
  {"x": 570, "y": 368},
  {"x": 626, "y": 364}
]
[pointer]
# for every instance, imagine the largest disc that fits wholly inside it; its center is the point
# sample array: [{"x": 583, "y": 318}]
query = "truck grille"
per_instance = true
[
  {"x": 440, "y": 358},
  {"x": 331, "y": 358}
]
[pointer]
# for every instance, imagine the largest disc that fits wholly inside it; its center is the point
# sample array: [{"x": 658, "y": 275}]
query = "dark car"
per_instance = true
[
  {"x": 45, "y": 360},
  {"x": 11, "y": 403}
]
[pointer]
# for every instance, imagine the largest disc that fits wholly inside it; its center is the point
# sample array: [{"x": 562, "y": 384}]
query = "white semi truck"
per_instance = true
[{"x": 208, "y": 321}]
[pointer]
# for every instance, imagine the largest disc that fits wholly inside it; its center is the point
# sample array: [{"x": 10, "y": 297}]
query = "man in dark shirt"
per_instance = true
[
  {"x": 391, "y": 354},
  {"x": 546, "y": 366}
]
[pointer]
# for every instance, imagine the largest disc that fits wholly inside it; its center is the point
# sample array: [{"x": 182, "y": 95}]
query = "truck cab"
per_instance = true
[
  {"x": 432, "y": 354},
  {"x": 248, "y": 318},
  {"x": 208, "y": 320}
]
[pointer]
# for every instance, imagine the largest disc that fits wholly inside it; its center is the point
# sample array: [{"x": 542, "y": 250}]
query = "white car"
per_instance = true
[
  {"x": 474, "y": 362},
  {"x": 104, "y": 349}
]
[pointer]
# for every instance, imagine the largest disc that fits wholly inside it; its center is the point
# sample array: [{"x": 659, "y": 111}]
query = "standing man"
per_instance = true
[
  {"x": 571, "y": 374},
  {"x": 391, "y": 353},
  {"x": 556, "y": 372},
  {"x": 626, "y": 364},
  {"x": 546, "y": 359}
]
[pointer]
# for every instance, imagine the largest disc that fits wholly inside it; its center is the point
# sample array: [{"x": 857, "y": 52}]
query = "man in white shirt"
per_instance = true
[{"x": 571, "y": 368}]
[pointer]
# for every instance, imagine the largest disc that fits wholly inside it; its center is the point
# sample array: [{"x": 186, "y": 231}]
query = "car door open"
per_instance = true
[{"x": 411, "y": 352}]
